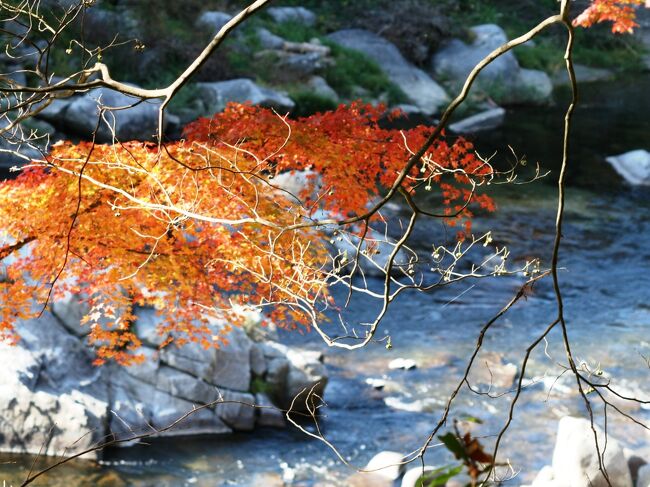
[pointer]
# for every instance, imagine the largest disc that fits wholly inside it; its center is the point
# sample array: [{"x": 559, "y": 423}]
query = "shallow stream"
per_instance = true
[{"x": 606, "y": 284}]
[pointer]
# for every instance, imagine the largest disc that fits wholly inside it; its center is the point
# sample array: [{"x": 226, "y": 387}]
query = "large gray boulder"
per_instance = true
[
  {"x": 634, "y": 166},
  {"x": 456, "y": 59},
  {"x": 212, "y": 21},
  {"x": 49, "y": 403},
  {"x": 228, "y": 366},
  {"x": 137, "y": 406},
  {"x": 418, "y": 86},
  {"x": 54, "y": 401},
  {"x": 575, "y": 459},
  {"x": 482, "y": 121},
  {"x": 293, "y": 374},
  {"x": 292, "y": 14},
  {"x": 129, "y": 120},
  {"x": 216, "y": 95},
  {"x": 503, "y": 79}
]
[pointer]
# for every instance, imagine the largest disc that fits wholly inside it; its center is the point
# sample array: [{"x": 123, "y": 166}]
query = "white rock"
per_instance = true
[
  {"x": 634, "y": 166},
  {"x": 402, "y": 363},
  {"x": 413, "y": 474},
  {"x": 376, "y": 383},
  {"x": 546, "y": 478},
  {"x": 643, "y": 480},
  {"x": 532, "y": 86},
  {"x": 575, "y": 459},
  {"x": 387, "y": 464}
]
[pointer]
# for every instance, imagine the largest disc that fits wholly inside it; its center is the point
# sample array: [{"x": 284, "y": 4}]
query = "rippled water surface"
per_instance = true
[{"x": 606, "y": 284}]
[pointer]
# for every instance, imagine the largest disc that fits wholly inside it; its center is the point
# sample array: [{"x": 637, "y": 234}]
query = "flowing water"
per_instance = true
[{"x": 606, "y": 285}]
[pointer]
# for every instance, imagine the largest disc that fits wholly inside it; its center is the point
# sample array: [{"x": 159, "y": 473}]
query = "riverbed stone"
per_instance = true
[
  {"x": 575, "y": 459},
  {"x": 269, "y": 40},
  {"x": 257, "y": 361},
  {"x": 419, "y": 87},
  {"x": 69, "y": 310},
  {"x": 490, "y": 369},
  {"x": 139, "y": 407},
  {"x": 236, "y": 409},
  {"x": 402, "y": 363},
  {"x": 533, "y": 87},
  {"x": 584, "y": 74},
  {"x": 361, "y": 479},
  {"x": 634, "y": 166}
]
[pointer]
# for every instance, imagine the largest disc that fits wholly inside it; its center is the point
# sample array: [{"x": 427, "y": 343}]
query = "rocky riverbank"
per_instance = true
[{"x": 55, "y": 402}]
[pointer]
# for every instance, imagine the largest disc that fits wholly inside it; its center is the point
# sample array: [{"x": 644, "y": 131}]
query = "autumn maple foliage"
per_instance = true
[
  {"x": 621, "y": 13},
  {"x": 198, "y": 229}
]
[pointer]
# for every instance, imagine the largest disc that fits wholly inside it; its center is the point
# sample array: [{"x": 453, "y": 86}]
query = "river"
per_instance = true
[{"x": 606, "y": 285}]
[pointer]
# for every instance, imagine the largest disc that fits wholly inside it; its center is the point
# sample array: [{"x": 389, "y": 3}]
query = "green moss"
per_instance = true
[
  {"x": 353, "y": 69},
  {"x": 260, "y": 386},
  {"x": 293, "y": 31},
  {"x": 308, "y": 103},
  {"x": 544, "y": 55}
]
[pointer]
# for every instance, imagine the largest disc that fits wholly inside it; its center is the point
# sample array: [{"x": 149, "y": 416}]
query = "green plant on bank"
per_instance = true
[
  {"x": 260, "y": 386},
  {"x": 349, "y": 71},
  {"x": 308, "y": 102}
]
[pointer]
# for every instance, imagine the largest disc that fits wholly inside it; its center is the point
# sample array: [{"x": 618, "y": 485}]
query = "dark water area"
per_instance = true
[{"x": 606, "y": 284}]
